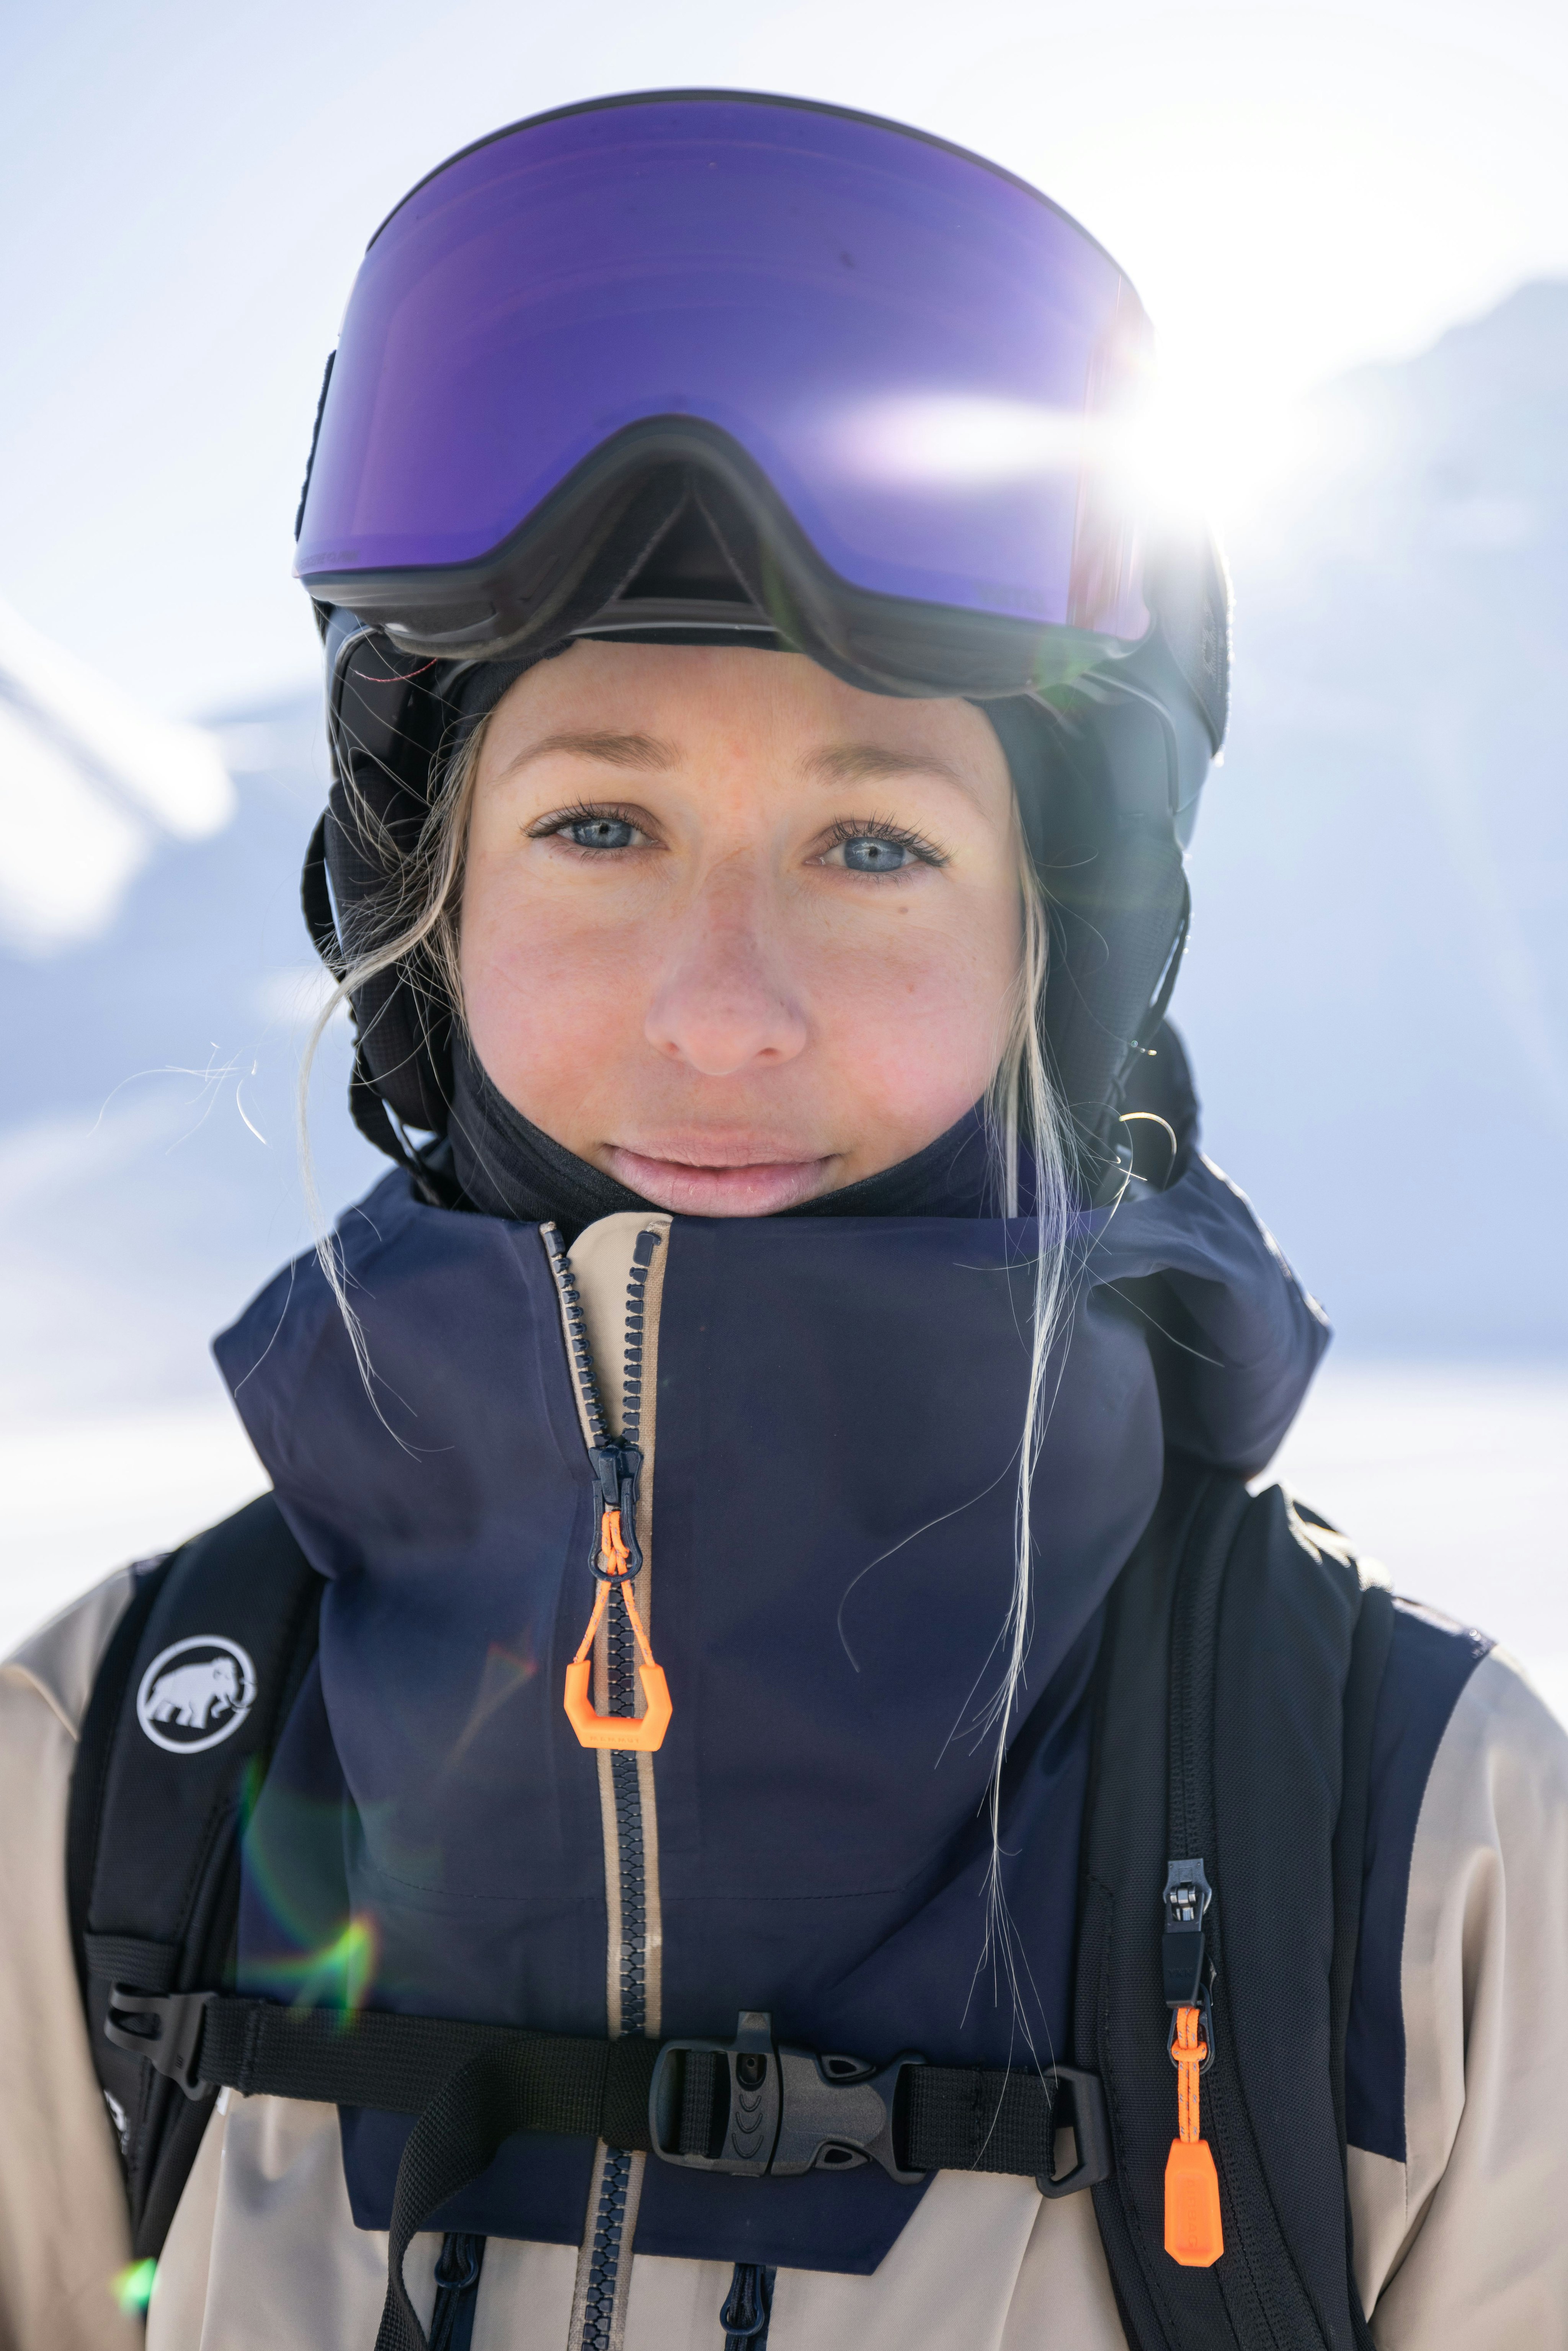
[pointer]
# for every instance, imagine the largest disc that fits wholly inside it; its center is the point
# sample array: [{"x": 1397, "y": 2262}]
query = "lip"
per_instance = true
[{"x": 729, "y": 1182}]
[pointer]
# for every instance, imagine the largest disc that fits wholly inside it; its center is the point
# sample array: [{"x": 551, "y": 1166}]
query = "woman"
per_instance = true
[{"x": 766, "y": 1452}]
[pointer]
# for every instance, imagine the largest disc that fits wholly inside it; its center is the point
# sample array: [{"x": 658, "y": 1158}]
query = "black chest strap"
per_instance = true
[{"x": 746, "y": 2107}]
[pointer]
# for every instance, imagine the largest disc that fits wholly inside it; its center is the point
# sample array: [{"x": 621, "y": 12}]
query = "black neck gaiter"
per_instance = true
[{"x": 506, "y": 1166}]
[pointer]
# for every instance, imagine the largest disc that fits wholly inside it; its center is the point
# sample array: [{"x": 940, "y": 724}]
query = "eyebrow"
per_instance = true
[
  {"x": 840, "y": 763},
  {"x": 873, "y": 763},
  {"x": 640, "y": 751}
]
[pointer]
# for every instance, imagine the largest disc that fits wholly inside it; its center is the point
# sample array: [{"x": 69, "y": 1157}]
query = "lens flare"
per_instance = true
[
  {"x": 337, "y": 1975},
  {"x": 132, "y": 2287},
  {"x": 506, "y": 1672},
  {"x": 943, "y": 439}
]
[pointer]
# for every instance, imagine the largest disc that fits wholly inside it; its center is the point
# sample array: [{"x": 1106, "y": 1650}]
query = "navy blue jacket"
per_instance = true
[{"x": 839, "y": 1412}]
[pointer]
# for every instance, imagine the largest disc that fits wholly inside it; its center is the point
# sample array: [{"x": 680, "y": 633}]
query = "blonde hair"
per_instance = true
[
  {"x": 1025, "y": 1116},
  {"x": 415, "y": 924},
  {"x": 411, "y": 922}
]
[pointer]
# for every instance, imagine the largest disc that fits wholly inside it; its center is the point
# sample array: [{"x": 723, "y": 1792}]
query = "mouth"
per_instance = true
[{"x": 711, "y": 1178}]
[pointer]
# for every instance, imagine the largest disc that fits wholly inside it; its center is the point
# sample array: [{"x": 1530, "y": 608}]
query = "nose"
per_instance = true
[{"x": 725, "y": 1000}]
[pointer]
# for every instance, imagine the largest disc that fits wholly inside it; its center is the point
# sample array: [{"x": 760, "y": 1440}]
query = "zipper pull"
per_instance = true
[
  {"x": 618, "y": 1469},
  {"x": 1187, "y": 1898},
  {"x": 617, "y": 1557},
  {"x": 1194, "y": 2233}
]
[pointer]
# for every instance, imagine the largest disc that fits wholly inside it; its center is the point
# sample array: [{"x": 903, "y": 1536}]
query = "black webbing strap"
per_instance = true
[
  {"x": 399, "y": 2066},
  {"x": 961, "y": 2118},
  {"x": 954, "y": 2117},
  {"x": 458, "y": 2136},
  {"x": 473, "y": 2085}
]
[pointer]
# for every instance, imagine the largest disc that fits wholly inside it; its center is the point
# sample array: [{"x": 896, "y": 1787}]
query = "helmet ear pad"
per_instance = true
[
  {"x": 402, "y": 1019},
  {"x": 392, "y": 720},
  {"x": 1091, "y": 776},
  {"x": 395, "y": 722}
]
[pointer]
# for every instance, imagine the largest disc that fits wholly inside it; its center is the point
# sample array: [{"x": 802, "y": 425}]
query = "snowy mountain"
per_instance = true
[
  {"x": 84, "y": 766},
  {"x": 1375, "y": 995}
]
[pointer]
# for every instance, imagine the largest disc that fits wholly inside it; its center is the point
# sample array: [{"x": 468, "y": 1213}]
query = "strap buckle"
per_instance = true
[
  {"x": 169, "y": 2035},
  {"x": 749, "y": 2107},
  {"x": 1085, "y": 2112}
]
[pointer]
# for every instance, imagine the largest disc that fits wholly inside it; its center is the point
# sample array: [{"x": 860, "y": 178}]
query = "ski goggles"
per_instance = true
[{"x": 901, "y": 386}]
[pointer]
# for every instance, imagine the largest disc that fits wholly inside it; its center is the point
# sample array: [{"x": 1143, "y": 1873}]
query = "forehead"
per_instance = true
[{"x": 691, "y": 697}]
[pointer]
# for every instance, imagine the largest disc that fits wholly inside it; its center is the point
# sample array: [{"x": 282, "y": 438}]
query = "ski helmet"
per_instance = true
[{"x": 707, "y": 367}]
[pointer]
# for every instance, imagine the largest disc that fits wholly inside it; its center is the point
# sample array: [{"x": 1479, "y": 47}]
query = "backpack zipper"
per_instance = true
[
  {"x": 617, "y": 1467},
  {"x": 1193, "y": 2233},
  {"x": 1190, "y": 1888}
]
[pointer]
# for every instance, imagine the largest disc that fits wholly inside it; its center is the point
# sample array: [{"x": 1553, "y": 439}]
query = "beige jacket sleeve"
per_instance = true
[
  {"x": 63, "y": 2231},
  {"x": 1463, "y": 2247}
]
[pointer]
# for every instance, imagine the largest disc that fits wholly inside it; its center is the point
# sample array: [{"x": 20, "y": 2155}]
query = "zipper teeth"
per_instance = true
[
  {"x": 609, "y": 2227},
  {"x": 577, "y": 1330},
  {"x": 625, "y": 1779},
  {"x": 628, "y": 1794},
  {"x": 610, "y": 2216},
  {"x": 620, "y": 1647},
  {"x": 636, "y": 1313},
  {"x": 1193, "y": 1635}
]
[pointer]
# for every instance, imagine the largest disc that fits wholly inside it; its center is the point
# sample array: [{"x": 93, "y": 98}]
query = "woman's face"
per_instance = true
[{"x": 733, "y": 932}]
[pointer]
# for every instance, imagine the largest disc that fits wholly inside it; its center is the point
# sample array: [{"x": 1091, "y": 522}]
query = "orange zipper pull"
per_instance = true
[
  {"x": 1195, "y": 2235},
  {"x": 641, "y": 1733},
  {"x": 617, "y": 1464}
]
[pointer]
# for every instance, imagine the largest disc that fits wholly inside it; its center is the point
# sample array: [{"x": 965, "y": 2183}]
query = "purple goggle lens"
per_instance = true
[{"x": 928, "y": 362}]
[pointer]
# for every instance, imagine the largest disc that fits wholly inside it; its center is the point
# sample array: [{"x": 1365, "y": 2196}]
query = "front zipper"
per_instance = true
[
  {"x": 747, "y": 2307},
  {"x": 617, "y": 1465},
  {"x": 457, "y": 2267},
  {"x": 616, "y": 1558}
]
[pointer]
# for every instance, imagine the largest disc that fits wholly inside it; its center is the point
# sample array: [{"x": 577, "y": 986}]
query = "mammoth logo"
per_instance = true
[{"x": 195, "y": 1694}]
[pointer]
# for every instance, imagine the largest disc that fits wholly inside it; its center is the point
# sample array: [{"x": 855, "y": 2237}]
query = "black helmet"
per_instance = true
[{"x": 707, "y": 367}]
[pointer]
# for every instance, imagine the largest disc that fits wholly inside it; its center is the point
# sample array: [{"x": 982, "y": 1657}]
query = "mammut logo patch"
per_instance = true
[{"x": 195, "y": 1694}]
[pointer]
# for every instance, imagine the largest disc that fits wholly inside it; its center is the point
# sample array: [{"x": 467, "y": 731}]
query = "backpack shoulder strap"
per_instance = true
[
  {"x": 1236, "y": 1686},
  {"x": 188, "y": 1702}
]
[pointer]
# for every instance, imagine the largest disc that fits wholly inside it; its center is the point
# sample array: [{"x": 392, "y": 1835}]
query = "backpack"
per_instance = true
[{"x": 1223, "y": 1853}]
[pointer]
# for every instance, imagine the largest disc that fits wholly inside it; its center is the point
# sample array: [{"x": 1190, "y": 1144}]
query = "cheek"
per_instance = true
[
  {"x": 551, "y": 1002},
  {"x": 917, "y": 1015}
]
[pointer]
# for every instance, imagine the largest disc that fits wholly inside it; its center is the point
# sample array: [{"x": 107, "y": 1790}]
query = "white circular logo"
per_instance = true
[{"x": 195, "y": 1694}]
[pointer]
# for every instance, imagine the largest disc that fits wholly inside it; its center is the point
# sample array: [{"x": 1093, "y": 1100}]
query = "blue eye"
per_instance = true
[
  {"x": 601, "y": 833},
  {"x": 865, "y": 852}
]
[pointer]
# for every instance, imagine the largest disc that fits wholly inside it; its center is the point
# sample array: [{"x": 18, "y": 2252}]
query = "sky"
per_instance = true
[{"x": 186, "y": 192}]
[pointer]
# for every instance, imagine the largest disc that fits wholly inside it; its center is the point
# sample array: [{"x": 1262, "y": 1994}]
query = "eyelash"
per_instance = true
[
  {"x": 878, "y": 828},
  {"x": 843, "y": 830},
  {"x": 584, "y": 812}
]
